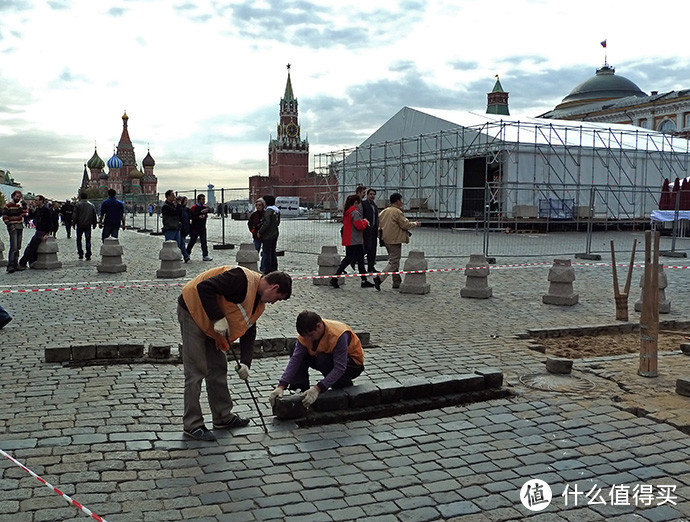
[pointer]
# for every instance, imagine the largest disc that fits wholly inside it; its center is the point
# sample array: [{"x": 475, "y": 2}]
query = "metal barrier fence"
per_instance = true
[{"x": 513, "y": 221}]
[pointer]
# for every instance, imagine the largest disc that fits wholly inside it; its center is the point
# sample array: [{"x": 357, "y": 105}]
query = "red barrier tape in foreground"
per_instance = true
[{"x": 56, "y": 490}]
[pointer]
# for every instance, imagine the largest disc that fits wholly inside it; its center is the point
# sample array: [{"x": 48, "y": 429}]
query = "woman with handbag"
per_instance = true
[{"x": 353, "y": 239}]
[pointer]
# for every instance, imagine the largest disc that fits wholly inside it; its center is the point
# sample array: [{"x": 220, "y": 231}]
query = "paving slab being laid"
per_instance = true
[{"x": 110, "y": 435}]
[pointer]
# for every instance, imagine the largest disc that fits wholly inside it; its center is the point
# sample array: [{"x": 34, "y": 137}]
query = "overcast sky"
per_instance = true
[{"x": 201, "y": 81}]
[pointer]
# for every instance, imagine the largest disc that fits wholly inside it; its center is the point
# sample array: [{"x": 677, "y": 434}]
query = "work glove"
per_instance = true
[
  {"x": 275, "y": 394},
  {"x": 242, "y": 371},
  {"x": 309, "y": 396},
  {"x": 221, "y": 327}
]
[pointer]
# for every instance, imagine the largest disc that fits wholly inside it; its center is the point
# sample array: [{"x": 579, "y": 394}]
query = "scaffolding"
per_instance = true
[{"x": 500, "y": 169}]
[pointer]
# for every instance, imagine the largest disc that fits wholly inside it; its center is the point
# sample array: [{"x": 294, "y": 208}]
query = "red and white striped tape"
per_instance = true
[
  {"x": 10, "y": 289},
  {"x": 56, "y": 490}
]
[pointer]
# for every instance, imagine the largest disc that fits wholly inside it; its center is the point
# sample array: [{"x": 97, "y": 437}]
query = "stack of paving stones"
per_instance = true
[
  {"x": 394, "y": 397},
  {"x": 47, "y": 255}
]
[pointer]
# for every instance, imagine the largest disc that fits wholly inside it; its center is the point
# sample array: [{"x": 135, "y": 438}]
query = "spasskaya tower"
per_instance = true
[{"x": 288, "y": 155}]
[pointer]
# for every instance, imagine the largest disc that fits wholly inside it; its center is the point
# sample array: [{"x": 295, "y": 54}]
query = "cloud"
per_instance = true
[{"x": 116, "y": 11}]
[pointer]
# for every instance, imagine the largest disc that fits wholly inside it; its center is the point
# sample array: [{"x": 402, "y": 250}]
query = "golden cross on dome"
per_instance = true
[{"x": 288, "y": 67}]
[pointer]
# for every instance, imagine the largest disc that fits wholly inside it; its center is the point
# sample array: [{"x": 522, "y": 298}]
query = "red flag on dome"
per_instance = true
[{"x": 603, "y": 44}]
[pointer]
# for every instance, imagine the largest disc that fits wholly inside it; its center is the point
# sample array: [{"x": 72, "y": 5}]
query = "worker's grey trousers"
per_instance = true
[{"x": 201, "y": 360}]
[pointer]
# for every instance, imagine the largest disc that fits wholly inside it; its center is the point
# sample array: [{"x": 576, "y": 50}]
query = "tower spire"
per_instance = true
[{"x": 288, "y": 96}]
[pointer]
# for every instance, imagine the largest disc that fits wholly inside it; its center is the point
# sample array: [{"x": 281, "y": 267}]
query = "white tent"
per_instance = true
[{"x": 460, "y": 164}]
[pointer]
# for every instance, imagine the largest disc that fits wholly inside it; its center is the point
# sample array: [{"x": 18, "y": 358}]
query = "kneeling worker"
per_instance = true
[
  {"x": 331, "y": 347},
  {"x": 216, "y": 308}
]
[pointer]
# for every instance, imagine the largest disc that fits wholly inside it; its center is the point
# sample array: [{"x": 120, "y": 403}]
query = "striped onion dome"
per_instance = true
[
  {"x": 95, "y": 162},
  {"x": 114, "y": 162}
]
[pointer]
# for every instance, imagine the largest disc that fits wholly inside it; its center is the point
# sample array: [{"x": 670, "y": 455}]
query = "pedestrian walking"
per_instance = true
[
  {"x": 13, "y": 215},
  {"x": 112, "y": 216},
  {"x": 254, "y": 223},
  {"x": 172, "y": 224},
  {"x": 370, "y": 212},
  {"x": 197, "y": 230},
  {"x": 42, "y": 218},
  {"x": 66, "y": 211},
  {"x": 395, "y": 231},
  {"x": 268, "y": 235},
  {"x": 353, "y": 240},
  {"x": 84, "y": 220}
]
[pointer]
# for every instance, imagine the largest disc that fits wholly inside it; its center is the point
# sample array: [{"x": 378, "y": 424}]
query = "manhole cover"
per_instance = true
[{"x": 557, "y": 383}]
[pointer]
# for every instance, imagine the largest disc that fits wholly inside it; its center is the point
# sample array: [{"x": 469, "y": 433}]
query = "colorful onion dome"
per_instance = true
[
  {"x": 103, "y": 175},
  {"x": 114, "y": 162},
  {"x": 148, "y": 161},
  {"x": 135, "y": 173},
  {"x": 95, "y": 162}
]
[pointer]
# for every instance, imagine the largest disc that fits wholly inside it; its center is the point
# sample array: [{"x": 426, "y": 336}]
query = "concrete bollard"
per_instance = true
[
  {"x": 328, "y": 262},
  {"x": 111, "y": 256},
  {"x": 561, "y": 277},
  {"x": 415, "y": 283},
  {"x": 171, "y": 261},
  {"x": 664, "y": 304},
  {"x": 47, "y": 255},
  {"x": 248, "y": 257},
  {"x": 3, "y": 261},
  {"x": 477, "y": 283}
]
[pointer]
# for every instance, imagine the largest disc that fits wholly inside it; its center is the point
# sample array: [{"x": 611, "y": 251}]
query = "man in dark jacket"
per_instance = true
[
  {"x": 43, "y": 221},
  {"x": 268, "y": 235},
  {"x": 198, "y": 214},
  {"x": 112, "y": 215},
  {"x": 370, "y": 212},
  {"x": 66, "y": 211},
  {"x": 172, "y": 224},
  {"x": 84, "y": 220}
]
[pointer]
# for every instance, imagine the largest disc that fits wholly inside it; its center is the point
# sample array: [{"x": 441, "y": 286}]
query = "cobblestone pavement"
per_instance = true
[{"x": 110, "y": 436}]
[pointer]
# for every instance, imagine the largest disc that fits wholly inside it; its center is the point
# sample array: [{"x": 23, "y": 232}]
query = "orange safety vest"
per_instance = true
[
  {"x": 333, "y": 331},
  {"x": 240, "y": 317}
]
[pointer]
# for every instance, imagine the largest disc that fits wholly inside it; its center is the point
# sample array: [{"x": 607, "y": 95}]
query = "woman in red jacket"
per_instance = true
[{"x": 353, "y": 239}]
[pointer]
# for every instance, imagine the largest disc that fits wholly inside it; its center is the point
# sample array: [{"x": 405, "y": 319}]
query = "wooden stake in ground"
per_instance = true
[
  {"x": 621, "y": 299},
  {"x": 649, "y": 319}
]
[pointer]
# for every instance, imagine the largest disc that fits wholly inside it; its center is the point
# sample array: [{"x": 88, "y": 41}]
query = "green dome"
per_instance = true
[
  {"x": 604, "y": 85},
  {"x": 95, "y": 162}
]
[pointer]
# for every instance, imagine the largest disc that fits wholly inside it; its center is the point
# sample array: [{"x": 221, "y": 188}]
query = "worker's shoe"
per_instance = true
[
  {"x": 367, "y": 284},
  {"x": 377, "y": 283},
  {"x": 334, "y": 282},
  {"x": 235, "y": 422},
  {"x": 201, "y": 433}
]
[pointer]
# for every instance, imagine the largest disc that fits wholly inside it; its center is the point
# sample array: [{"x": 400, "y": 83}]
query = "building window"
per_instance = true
[
  {"x": 686, "y": 120},
  {"x": 643, "y": 123},
  {"x": 666, "y": 126}
]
